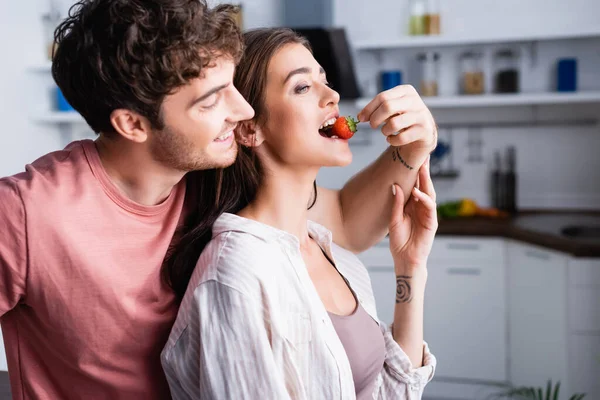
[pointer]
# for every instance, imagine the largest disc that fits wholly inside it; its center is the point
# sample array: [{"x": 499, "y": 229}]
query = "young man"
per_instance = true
[{"x": 85, "y": 230}]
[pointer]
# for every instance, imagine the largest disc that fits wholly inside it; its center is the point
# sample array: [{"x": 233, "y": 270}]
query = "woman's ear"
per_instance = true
[{"x": 249, "y": 134}]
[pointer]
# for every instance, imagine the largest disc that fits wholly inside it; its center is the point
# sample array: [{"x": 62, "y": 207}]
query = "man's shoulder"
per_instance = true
[{"x": 47, "y": 175}]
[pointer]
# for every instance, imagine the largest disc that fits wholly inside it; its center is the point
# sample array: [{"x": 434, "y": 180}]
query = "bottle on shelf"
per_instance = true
[
  {"x": 417, "y": 17},
  {"x": 497, "y": 182},
  {"x": 507, "y": 71},
  {"x": 510, "y": 181},
  {"x": 428, "y": 85},
  {"x": 432, "y": 18},
  {"x": 472, "y": 79}
]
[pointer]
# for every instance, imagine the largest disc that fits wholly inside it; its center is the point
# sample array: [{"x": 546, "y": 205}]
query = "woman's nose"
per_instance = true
[{"x": 330, "y": 96}]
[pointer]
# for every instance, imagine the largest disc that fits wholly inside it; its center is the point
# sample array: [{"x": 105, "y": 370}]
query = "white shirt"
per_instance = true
[{"x": 252, "y": 325}]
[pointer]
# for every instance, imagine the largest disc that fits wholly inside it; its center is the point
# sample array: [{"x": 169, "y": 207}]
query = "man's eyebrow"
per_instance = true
[
  {"x": 207, "y": 94},
  {"x": 302, "y": 70}
]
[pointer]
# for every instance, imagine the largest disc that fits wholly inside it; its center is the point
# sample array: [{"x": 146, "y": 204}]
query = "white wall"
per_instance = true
[
  {"x": 565, "y": 174},
  {"x": 21, "y": 35}
]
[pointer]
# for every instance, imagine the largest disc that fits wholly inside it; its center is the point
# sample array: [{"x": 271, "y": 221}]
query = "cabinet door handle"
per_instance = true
[
  {"x": 464, "y": 271},
  {"x": 464, "y": 246},
  {"x": 538, "y": 255}
]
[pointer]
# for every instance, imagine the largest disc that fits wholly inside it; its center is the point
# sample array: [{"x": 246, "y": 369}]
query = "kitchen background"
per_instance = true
[{"x": 510, "y": 301}]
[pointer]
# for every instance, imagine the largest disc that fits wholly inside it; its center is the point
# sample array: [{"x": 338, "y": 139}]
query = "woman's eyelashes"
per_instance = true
[
  {"x": 304, "y": 88},
  {"x": 301, "y": 88}
]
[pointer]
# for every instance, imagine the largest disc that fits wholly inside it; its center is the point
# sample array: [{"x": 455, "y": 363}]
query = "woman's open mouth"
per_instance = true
[{"x": 325, "y": 129}]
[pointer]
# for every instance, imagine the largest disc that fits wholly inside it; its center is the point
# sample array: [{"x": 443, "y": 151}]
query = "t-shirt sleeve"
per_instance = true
[{"x": 13, "y": 247}]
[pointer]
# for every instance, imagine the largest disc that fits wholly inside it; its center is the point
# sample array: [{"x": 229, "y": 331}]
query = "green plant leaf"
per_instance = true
[
  {"x": 577, "y": 396},
  {"x": 548, "y": 389},
  {"x": 540, "y": 394},
  {"x": 556, "y": 390}
]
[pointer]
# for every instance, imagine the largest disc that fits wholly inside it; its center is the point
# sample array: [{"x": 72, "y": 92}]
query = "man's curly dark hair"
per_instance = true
[{"x": 114, "y": 54}]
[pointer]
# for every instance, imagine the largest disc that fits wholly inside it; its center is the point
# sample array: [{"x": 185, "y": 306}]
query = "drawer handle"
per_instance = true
[
  {"x": 538, "y": 255},
  {"x": 464, "y": 271},
  {"x": 464, "y": 246}
]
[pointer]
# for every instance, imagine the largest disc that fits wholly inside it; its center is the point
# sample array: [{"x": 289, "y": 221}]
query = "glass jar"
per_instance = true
[
  {"x": 432, "y": 18},
  {"x": 506, "y": 67},
  {"x": 428, "y": 85},
  {"x": 472, "y": 77},
  {"x": 417, "y": 17},
  {"x": 49, "y": 22}
]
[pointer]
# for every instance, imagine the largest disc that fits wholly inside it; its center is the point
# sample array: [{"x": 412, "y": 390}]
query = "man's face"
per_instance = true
[{"x": 199, "y": 120}]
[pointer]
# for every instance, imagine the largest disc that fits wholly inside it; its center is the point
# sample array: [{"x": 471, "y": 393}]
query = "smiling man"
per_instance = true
[{"x": 85, "y": 230}]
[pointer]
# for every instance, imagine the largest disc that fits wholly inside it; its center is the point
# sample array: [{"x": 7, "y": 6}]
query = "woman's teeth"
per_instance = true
[
  {"x": 327, "y": 123},
  {"x": 224, "y": 136}
]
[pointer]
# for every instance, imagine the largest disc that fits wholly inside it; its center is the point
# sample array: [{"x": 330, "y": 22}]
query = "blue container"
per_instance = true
[
  {"x": 390, "y": 79},
  {"x": 61, "y": 103},
  {"x": 566, "y": 75}
]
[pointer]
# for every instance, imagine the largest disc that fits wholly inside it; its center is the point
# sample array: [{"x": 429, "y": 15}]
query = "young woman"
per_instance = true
[{"x": 274, "y": 308}]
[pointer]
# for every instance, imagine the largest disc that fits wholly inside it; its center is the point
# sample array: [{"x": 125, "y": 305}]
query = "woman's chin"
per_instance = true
[{"x": 340, "y": 159}]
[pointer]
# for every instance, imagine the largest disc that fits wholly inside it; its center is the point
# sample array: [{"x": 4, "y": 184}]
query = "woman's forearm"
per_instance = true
[
  {"x": 408, "y": 312},
  {"x": 370, "y": 190}
]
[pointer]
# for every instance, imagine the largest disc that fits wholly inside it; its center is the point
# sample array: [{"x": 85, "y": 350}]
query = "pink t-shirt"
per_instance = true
[{"x": 83, "y": 311}]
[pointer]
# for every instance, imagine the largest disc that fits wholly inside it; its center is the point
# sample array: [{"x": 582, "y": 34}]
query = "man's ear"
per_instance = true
[
  {"x": 249, "y": 134},
  {"x": 130, "y": 125}
]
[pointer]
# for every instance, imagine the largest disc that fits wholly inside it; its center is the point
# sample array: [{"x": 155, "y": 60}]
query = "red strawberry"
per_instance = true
[{"x": 343, "y": 127}]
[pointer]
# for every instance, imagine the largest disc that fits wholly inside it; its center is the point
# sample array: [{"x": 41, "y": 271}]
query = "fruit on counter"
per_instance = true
[
  {"x": 343, "y": 128},
  {"x": 467, "y": 208}
]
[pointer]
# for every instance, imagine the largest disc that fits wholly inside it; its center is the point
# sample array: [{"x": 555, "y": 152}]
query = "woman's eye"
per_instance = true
[{"x": 302, "y": 89}]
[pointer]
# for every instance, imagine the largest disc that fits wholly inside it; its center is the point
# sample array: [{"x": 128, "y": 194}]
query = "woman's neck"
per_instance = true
[{"x": 282, "y": 201}]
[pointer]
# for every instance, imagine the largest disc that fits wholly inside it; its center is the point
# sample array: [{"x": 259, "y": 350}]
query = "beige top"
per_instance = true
[{"x": 365, "y": 348}]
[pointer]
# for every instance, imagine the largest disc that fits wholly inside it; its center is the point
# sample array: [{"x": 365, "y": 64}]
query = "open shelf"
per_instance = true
[
  {"x": 465, "y": 39},
  {"x": 499, "y": 100},
  {"x": 60, "y": 117}
]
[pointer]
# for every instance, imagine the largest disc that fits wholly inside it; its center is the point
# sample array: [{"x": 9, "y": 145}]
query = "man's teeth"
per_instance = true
[
  {"x": 327, "y": 123},
  {"x": 225, "y": 136}
]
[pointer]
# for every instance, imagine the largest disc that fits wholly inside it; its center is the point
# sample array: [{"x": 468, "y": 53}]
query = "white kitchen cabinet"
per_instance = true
[
  {"x": 537, "y": 316},
  {"x": 583, "y": 292},
  {"x": 584, "y": 365},
  {"x": 380, "y": 264},
  {"x": 465, "y": 305},
  {"x": 3, "y": 364},
  {"x": 465, "y": 309}
]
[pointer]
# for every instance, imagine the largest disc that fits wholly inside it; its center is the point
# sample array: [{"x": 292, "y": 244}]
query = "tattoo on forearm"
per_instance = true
[
  {"x": 403, "y": 290},
  {"x": 397, "y": 157}
]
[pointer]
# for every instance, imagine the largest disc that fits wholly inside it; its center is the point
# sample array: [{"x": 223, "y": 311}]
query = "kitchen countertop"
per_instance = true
[{"x": 538, "y": 228}]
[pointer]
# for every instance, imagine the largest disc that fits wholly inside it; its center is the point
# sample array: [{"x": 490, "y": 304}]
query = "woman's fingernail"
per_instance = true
[{"x": 394, "y": 190}]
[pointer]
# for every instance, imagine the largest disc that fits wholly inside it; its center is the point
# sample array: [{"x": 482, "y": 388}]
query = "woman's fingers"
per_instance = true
[
  {"x": 429, "y": 220},
  {"x": 391, "y": 108},
  {"x": 397, "y": 208},
  {"x": 399, "y": 123},
  {"x": 425, "y": 182},
  {"x": 405, "y": 137},
  {"x": 383, "y": 99}
]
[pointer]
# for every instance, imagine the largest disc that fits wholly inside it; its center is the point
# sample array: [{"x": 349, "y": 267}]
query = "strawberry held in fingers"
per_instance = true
[{"x": 343, "y": 128}]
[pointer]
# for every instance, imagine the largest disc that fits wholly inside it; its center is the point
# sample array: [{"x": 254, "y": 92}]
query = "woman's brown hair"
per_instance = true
[{"x": 213, "y": 192}]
